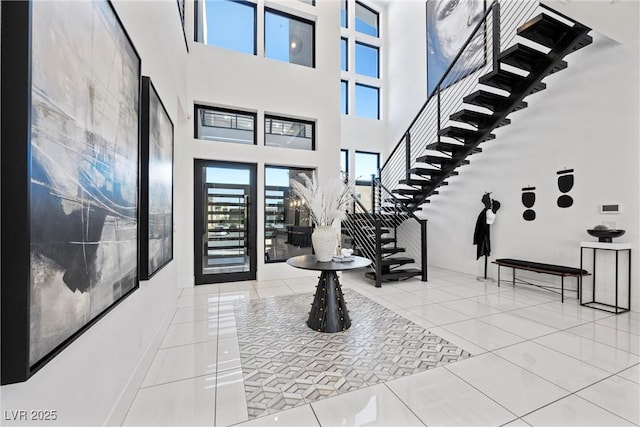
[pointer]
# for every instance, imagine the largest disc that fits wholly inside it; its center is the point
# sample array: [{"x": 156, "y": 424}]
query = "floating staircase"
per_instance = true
[{"x": 443, "y": 138}]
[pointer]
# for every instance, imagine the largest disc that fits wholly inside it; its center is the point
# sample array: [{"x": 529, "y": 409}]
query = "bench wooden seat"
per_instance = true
[{"x": 538, "y": 267}]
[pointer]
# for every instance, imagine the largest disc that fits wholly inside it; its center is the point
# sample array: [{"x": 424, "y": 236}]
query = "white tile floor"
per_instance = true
[{"x": 535, "y": 361}]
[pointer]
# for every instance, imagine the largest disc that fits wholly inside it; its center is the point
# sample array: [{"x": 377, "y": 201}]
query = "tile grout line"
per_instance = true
[{"x": 403, "y": 402}]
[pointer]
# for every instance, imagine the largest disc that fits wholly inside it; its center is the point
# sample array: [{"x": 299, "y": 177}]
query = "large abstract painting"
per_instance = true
[
  {"x": 449, "y": 25},
  {"x": 83, "y": 155},
  {"x": 156, "y": 203}
]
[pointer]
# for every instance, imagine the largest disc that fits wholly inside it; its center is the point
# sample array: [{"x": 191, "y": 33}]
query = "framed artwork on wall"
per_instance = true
[
  {"x": 449, "y": 25},
  {"x": 70, "y": 132},
  {"x": 156, "y": 184}
]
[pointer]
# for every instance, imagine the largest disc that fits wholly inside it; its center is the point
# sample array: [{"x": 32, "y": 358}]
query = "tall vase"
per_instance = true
[{"x": 324, "y": 242}]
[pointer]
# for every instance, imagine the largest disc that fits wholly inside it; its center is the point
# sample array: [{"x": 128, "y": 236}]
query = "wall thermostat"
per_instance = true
[{"x": 610, "y": 209}]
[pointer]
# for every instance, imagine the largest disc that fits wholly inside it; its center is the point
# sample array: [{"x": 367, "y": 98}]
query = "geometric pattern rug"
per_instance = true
[{"x": 286, "y": 364}]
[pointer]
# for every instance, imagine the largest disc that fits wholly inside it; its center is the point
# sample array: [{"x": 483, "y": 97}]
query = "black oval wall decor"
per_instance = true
[
  {"x": 565, "y": 184},
  {"x": 529, "y": 215}
]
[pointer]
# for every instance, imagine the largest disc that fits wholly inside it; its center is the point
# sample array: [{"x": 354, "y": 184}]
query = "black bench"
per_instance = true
[{"x": 555, "y": 270}]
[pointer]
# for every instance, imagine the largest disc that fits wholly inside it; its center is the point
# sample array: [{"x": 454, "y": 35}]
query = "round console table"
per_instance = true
[{"x": 328, "y": 310}]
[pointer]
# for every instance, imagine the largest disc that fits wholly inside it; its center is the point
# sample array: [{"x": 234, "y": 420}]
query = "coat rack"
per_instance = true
[{"x": 482, "y": 232}]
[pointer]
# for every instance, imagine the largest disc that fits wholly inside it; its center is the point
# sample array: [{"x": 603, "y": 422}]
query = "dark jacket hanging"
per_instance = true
[{"x": 481, "y": 235}]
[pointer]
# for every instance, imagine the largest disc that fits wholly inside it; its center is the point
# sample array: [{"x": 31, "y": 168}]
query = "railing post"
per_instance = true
[
  {"x": 496, "y": 34},
  {"x": 378, "y": 254},
  {"x": 423, "y": 248},
  {"x": 407, "y": 160},
  {"x": 438, "y": 121},
  {"x": 380, "y": 188},
  {"x": 373, "y": 193}
]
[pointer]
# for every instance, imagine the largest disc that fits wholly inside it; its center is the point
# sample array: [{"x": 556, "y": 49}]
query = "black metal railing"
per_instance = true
[{"x": 496, "y": 30}]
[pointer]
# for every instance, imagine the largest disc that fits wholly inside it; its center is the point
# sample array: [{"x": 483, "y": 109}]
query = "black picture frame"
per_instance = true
[
  {"x": 69, "y": 176},
  {"x": 441, "y": 50},
  {"x": 156, "y": 183}
]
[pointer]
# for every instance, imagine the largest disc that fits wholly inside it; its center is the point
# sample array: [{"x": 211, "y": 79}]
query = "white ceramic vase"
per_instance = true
[{"x": 324, "y": 242}]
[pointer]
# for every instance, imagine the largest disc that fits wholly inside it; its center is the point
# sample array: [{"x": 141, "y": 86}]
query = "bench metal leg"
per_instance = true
[
  {"x": 562, "y": 289},
  {"x": 498, "y": 275},
  {"x": 514, "y": 277}
]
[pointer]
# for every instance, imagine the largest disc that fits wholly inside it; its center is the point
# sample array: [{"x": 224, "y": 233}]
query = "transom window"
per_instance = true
[
  {"x": 218, "y": 124},
  {"x": 288, "y": 38},
  {"x": 366, "y": 20},
  {"x": 289, "y": 133},
  {"x": 228, "y": 24}
]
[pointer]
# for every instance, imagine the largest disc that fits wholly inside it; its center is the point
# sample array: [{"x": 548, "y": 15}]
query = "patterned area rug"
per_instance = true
[{"x": 285, "y": 364}]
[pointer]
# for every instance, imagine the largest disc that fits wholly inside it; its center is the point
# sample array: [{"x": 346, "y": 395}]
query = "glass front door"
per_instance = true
[{"x": 225, "y": 221}]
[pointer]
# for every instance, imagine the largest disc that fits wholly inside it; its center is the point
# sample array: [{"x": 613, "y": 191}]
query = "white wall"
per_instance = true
[
  {"x": 586, "y": 119},
  {"x": 226, "y": 78},
  {"x": 406, "y": 66},
  {"x": 87, "y": 378}
]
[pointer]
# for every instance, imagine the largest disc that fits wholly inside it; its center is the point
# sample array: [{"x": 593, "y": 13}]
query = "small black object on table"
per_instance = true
[{"x": 328, "y": 310}]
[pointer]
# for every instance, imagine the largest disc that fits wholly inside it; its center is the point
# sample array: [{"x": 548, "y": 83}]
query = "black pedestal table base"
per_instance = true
[{"x": 329, "y": 310}]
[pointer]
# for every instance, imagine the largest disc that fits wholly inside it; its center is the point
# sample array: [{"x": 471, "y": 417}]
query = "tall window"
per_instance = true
[
  {"x": 366, "y": 20},
  {"x": 228, "y": 24},
  {"x": 343, "y": 13},
  {"x": 360, "y": 75},
  {"x": 289, "y": 133},
  {"x": 288, "y": 38},
  {"x": 344, "y": 163},
  {"x": 287, "y": 220},
  {"x": 366, "y": 165},
  {"x": 367, "y": 101},
  {"x": 344, "y": 56},
  {"x": 367, "y": 62},
  {"x": 217, "y": 124},
  {"x": 344, "y": 97}
]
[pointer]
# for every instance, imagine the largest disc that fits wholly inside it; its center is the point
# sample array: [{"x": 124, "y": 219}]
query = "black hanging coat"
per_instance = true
[{"x": 481, "y": 235}]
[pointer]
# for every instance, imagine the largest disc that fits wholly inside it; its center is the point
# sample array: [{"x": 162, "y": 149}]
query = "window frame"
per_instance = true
[
  {"x": 370, "y": 9},
  {"x": 346, "y": 97},
  {"x": 346, "y": 13},
  {"x": 267, "y": 117},
  {"x": 345, "y": 152},
  {"x": 295, "y": 18},
  {"x": 264, "y": 229},
  {"x": 368, "y": 182},
  {"x": 198, "y": 23},
  {"x": 197, "y": 107},
  {"x": 345, "y": 40},
  {"x": 371, "y": 46},
  {"x": 377, "y": 88}
]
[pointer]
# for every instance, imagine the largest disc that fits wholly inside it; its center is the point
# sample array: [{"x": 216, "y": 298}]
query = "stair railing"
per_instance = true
[
  {"x": 394, "y": 213},
  {"x": 494, "y": 31}
]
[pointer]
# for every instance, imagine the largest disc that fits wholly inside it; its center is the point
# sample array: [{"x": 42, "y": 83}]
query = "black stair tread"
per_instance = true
[
  {"x": 406, "y": 191},
  {"x": 436, "y": 160},
  {"x": 451, "y": 147},
  {"x": 492, "y": 101},
  {"x": 544, "y": 29},
  {"x": 585, "y": 40},
  {"x": 464, "y": 134},
  {"x": 397, "y": 261},
  {"x": 415, "y": 182},
  {"x": 396, "y": 274},
  {"x": 433, "y": 172},
  {"x": 476, "y": 118},
  {"x": 391, "y": 251},
  {"x": 506, "y": 80},
  {"x": 527, "y": 58},
  {"x": 386, "y": 240}
]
